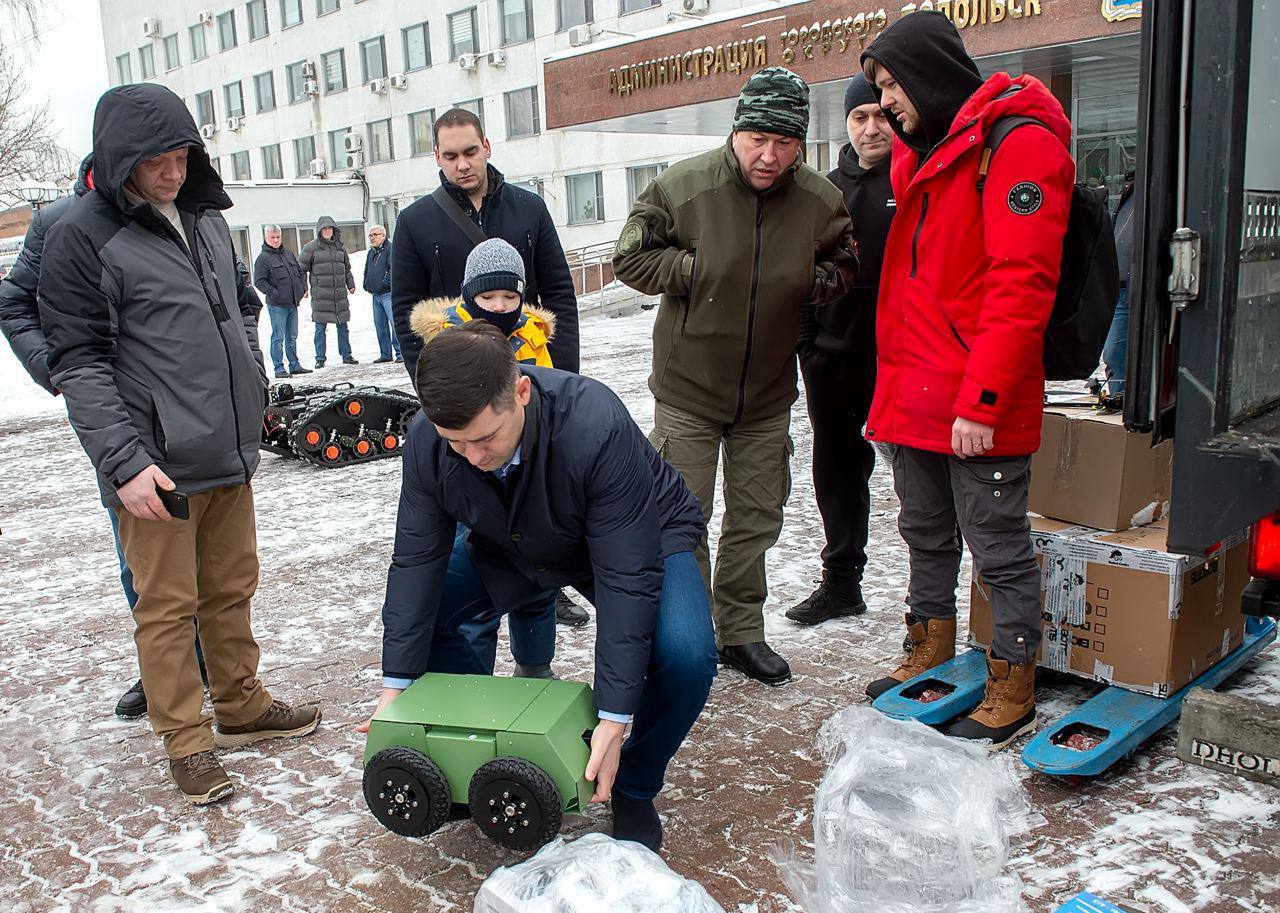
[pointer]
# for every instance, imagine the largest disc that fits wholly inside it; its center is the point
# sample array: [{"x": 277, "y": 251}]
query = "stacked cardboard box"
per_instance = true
[{"x": 1117, "y": 606}]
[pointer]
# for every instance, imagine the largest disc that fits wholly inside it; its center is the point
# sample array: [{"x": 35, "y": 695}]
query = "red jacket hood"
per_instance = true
[{"x": 1034, "y": 100}]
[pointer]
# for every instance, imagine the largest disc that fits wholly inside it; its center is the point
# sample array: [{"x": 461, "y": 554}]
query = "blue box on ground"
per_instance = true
[{"x": 1084, "y": 902}]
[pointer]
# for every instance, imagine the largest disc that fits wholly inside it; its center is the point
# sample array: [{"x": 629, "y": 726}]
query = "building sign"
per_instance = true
[
  {"x": 829, "y": 38},
  {"x": 1241, "y": 761},
  {"x": 1120, "y": 10}
]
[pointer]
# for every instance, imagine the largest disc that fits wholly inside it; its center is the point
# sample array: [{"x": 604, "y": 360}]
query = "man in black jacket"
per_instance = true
[
  {"x": 278, "y": 276},
  {"x": 552, "y": 484},
  {"x": 377, "y": 282},
  {"x": 837, "y": 351},
  {"x": 152, "y": 335},
  {"x": 431, "y": 250}
]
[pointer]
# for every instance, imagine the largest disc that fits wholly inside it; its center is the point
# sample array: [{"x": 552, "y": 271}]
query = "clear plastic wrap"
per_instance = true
[
  {"x": 592, "y": 874},
  {"x": 907, "y": 819}
]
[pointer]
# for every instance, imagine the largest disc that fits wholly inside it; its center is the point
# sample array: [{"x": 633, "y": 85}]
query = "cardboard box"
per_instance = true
[
  {"x": 1090, "y": 470},
  {"x": 1119, "y": 608}
]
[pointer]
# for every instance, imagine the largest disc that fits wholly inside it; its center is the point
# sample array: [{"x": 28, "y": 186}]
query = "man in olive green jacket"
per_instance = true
[{"x": 737, "y": 240}]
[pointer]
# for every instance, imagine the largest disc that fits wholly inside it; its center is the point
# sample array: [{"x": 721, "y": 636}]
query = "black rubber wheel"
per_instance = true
[
  {"x": 515, "y": 803},
  {"x": 307, "y": 445},
  {"x": 406, "y": 791}
]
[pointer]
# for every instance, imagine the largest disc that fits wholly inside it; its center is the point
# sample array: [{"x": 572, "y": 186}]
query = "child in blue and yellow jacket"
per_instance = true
[{"x": 492, "y": 290}]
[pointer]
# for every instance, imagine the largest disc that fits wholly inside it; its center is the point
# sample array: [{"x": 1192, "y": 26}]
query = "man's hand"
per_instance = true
[
  {"x": 388, "y": 695},
  {"x": 306, "y": 295},
  {"x": 138, "y": 495},
  {"x": 606, "y": 751},
  {"x": 970, "y": 439},
  {"x": 352, "y": 290}
]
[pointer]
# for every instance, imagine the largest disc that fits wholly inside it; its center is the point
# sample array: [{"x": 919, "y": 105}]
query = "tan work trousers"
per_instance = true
[{"x": 204, "y": 568}]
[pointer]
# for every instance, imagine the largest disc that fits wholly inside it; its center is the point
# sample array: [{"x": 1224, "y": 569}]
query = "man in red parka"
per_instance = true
[{"x": 967, "y": 285}]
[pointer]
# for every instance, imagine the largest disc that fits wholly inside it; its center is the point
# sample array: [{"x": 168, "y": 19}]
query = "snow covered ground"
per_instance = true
[{"x": 89, "y": 822}]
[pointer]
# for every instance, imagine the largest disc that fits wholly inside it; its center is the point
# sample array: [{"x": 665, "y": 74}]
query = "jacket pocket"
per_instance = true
[
  {"x": 915, "y": 236},
  {"x": 157, "y": 433},
  {"x": 993, "y": 491}
]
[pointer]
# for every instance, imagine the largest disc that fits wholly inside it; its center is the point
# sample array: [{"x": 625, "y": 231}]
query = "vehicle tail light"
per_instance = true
[{"x": 1264, "y": 548}]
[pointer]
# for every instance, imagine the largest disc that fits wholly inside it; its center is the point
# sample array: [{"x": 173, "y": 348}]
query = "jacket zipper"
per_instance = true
[
  {"x": 915, "y": 238},
  {"x": 693, "y": 286},
  {"x": 226, "y": 350},
  {"x": 751, "y": 310}
]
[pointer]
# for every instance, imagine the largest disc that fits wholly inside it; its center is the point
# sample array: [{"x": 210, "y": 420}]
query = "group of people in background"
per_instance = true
[{"x": 911, "y": 296}]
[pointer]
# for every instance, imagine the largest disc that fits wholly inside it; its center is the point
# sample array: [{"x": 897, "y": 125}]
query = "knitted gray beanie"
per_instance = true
[{"x": 493, "y": 264}]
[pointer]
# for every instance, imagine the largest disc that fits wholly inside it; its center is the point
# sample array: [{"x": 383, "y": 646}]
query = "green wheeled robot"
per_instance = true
[{"x": 511, "y": 750}]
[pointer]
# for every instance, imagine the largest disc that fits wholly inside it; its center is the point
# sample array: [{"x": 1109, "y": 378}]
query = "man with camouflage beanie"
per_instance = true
[{"x": 737, "y": 240}]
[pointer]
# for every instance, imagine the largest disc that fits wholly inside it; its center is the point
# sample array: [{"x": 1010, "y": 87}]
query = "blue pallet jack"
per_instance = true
[{"x": 1121, "y": 720}]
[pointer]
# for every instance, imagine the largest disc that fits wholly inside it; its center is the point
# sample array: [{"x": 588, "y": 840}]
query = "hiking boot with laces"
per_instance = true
[
  {"x": 933, "y": 642},
  {"x": 1008, "y": 707},
  {"x": 279, "y": 721},
  {"x": 200, "y": 777},
  {"x": 830, "y": 600}
]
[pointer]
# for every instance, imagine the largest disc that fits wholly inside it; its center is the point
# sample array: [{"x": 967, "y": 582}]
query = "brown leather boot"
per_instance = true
[
  {"x": 1007, "y": 710},
  {"x": 933, "y": 642},
  {"x": 200, "y": 777},
  {"x": 279, "y": 721}
]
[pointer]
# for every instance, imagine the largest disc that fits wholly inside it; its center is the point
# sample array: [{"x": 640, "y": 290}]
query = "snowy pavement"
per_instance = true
[{"x": 89, "y": 822}]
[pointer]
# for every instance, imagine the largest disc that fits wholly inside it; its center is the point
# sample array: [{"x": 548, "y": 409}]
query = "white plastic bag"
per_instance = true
[
  {"x": 907, "y": 819},
  {"x": 592, "y": 874}
]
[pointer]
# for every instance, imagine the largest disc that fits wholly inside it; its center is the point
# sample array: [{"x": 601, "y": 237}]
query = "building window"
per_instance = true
[
  {"x": 818, "y": 156},
  {"x": 240, "y": 166},
  {"x": 216, "y": 163},
  {"x": 517, "y": 20},
  {"x": 640, "y": 177},
  {"x": 272, "y": 168},
  {"x": 385, "y": 213},
  {"x": 337, "y": 149},
  {"x": 533, "y": 185},
  {"x": 333, "y": 67},
  {"x": 256, "y": 13},
  {"x": 380, "y": 142},
  {"x": 572, "y": 12},
  {"x": 632, "y": 6},
  {"x": 264, "y": 91},
  {"x": 233, "y": 95},
  {"x": 420, "y": 124},
  {"x": 522, "y": 112},
  {"x": 295, "y": 82},
  {"x": 475, "y": 106},
  {"x": 124, "y": 69},
  {"x": 373, "y": 59},
  {"x": 290, "y": 13},
  {"x": 304, "y": 150},
  {"x": 462, "y": 33},
  {"x": 146, "y": 62},
  {"x": 227, "y": 30},
  {"x": 324, "y": 7},
  {"x": 586, "y": 197},
  {"x": 172, "y": 59},
  {"x": 198, "y": 49},
  {"x": 204, "y": 109},
  {"x": 417, "y": 47}
]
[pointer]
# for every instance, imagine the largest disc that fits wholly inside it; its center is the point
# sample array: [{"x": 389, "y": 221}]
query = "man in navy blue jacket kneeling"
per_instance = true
[{"x": 520, "y": 480}]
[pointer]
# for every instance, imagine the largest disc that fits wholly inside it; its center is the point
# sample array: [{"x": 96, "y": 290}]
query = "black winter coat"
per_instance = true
[
  {"x": 19, "y": 312},
  {"x": 377, "y": 269},
  {"x": 431, "y": 254},
  {"x": 277, "y": 274},
  {"x": 848, "y": 325},
  {"x": 153, "y": 334},
  {"x": 329, "y": 267},
  {"x": 593, "y": 506}
]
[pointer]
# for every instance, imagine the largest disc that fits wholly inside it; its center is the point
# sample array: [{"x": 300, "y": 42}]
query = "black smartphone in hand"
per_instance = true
[{"x": 175, "y": 502}]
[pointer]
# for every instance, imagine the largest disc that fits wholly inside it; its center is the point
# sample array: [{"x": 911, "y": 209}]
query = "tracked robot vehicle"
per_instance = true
[{"x": 338, "y": 425}]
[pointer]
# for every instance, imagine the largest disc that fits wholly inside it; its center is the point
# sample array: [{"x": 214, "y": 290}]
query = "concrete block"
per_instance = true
[{"x": 1231, "y": 734}]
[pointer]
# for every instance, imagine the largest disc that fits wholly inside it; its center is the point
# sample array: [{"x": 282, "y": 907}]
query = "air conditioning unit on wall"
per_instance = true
[
  {"x": 580, "y": 35},
  {"x": 399, "y": 81},
  {"x": 311, "y": 87},
  {"x": 355, "y": 160},
  {"x": 378, "y": 86},
  {"x": 352, "y": 142},
  {"x": 468, "y": 61},
  {"x": 204, "y": 17},
  {"x": 318, "y": 168},
  {"x": 498, "y": 58},
  {"x": 696, "y": 7},
  {"x": 208, "y": 131},
  {"x": 234, "y": 123},
  {"x": 151, "y": 27},
  {"x": 308, "y": 70}
]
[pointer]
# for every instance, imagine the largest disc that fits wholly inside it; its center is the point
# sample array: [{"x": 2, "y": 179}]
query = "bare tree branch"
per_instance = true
[
  {"x": 16, "y": 17},
  {"x": 29, "y": 151}
]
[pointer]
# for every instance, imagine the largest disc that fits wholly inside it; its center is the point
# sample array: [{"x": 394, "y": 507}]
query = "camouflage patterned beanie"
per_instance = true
[{"x": 774, "y": 100}]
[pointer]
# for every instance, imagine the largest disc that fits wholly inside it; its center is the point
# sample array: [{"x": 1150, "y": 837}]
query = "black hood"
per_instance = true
[
  {"x": 84, "y": 183},
  {"x": 925, "y": 55},
  {"x": 136, "y": 122},
  {"x": 848, "y": 163},
  {"x": 327, "y": 222}
]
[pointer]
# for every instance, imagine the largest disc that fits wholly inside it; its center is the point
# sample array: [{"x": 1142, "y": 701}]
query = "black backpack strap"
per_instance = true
[
  {"x": 457, "y": 216},
  {"x": 995, "y": 136}
]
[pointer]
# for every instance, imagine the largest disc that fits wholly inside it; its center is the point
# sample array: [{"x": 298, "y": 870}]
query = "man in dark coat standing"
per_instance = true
[
  {"x": 377, "y": 282},
  {"x": 325, "y": 260},
  {"x": 837, "y": 351},
  {"x": 277, "y": 274},
  {"x": 552, "y": 484},
  {"x": 431, "y": 249}
]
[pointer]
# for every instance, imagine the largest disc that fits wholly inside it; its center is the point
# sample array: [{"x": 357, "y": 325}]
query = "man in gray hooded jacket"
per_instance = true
[
  {"x": 152, "y": 339},
  {"x": 325, "y": 261}
]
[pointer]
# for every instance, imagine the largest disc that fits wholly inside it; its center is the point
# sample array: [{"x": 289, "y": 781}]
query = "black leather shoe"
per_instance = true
[
  {"x": 541, "y": 670},
  {"x": 830, "y": 600},
  {"x": 569, "y": 613},
  {"x": 299, "y": 370},
  {"x": 133, "y": 703},
  {"x": 381, "y": 361},
  {"x": 349, "y": 360},
  {"x": 636, "y": 819},
  {"x": 757, "y": 661}
]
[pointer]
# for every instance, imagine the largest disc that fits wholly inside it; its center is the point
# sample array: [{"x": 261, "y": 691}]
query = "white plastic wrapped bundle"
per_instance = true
[
  {"x": 592, "y": 874},
  {"x": 907, "y": 819}
]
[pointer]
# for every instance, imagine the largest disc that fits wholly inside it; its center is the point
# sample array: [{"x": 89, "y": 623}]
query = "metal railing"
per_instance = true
[
  {"x": 594, "y": 283},
  {"x": 1260, "y": 225}
]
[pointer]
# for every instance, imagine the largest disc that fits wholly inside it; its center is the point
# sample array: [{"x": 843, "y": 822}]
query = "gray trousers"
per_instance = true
[
  {"x": 757, "y": 483},
  {"x": 983, "y": 499}
]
